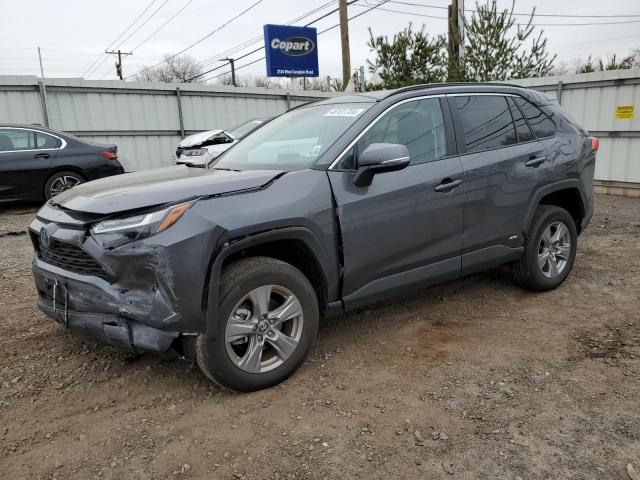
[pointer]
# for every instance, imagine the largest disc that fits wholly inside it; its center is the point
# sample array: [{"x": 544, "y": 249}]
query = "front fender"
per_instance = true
[{"x": 226, "y": 249}]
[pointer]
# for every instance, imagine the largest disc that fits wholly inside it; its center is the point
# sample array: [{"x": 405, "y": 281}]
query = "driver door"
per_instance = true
[{"x": 405, "y": 229}]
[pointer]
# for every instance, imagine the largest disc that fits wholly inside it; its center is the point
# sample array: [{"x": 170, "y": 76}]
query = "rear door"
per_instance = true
[
  {"x": 504, "y": 165},
  {"x": 401, "y": 230},
  {"x": 25, "y": 161}
]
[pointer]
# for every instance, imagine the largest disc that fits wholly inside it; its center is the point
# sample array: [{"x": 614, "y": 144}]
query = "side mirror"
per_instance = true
[{"x": 378, "y": 158}]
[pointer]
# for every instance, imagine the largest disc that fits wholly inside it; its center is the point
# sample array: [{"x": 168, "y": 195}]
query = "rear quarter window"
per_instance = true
[
  {"x": 541, "y": 124},
  {"x": 486, "y": 122},
  {"x": 47, "y": 141}
]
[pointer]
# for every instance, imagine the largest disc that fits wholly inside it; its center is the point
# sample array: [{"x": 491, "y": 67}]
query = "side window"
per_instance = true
[
  {"x": 14, "y": 139},
  {"x": 540, "y": 123},
  {"x": 486, "y": 122},
  {"x": 417, "y": 124},
  {"x": 522, "y": 129},
  {"x": 47, "y": 141}
]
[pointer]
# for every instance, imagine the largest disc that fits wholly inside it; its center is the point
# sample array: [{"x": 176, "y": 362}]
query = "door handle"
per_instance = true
[
  {"x": 447, "y": 185},
  {"x": 41, "y": 155},
  {"x": 535, "y": 161}
]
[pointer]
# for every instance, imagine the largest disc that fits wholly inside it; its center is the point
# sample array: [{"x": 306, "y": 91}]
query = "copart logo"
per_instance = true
[{"x": 294, "y": 46}]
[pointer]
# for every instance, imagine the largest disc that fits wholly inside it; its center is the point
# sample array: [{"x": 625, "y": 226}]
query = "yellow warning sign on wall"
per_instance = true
[{"x": 624, "y": 112}]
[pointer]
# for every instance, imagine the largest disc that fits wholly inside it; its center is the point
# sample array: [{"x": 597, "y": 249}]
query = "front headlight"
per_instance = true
[
  {"x": 195, "y": 153},
  {"x": 118, "y": 231}
]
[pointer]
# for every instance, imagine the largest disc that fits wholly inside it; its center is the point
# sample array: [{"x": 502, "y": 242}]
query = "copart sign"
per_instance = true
[{"x": 291, "y": 51}]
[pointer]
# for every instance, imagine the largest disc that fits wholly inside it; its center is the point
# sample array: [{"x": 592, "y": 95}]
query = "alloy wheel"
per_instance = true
[
  {"x": 264, "y": 329},
  {"x": 63, "y": 183},
  {"x": 554, "y": 249}
]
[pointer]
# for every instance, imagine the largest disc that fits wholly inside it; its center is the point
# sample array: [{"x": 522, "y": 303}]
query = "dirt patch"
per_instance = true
[
  {"x": 471, "y": 379},
  {"x": 608, "y": 342}
]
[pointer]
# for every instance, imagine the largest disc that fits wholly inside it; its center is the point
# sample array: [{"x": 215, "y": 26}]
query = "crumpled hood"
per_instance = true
[
  {"x": 197, "y": 138},
  {"x": 157, "y": 186}
]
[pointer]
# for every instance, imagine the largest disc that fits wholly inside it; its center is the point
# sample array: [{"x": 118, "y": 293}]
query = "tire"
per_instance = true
[
  {"x": 227, "y": 359},
  {"x": 534, "y": 270},
  {"x": 61, "y": 181}
]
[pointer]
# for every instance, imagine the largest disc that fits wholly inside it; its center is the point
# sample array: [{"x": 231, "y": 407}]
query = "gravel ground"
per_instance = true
[{"x": 472, "y": 379}]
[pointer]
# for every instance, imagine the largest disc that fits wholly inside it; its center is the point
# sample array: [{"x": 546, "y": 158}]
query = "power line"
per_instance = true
[
  {"x": 418, "y": 4},
  {"x": 119, "y": 37},
  {"x": 319, "y": 33},
  {"x": 201, "y": 39},
  {"x": 83, "y": 54},
  {"x": 258, "y": 38},
  {"x": 163, "y": 25},
  {"x": 536, "y": 14},
  {"x": 143, "y": 23},
  {"x": 262, "y": 47},
  {"x": 63, "y": 60},
  {"x": 127, "y": 38},
  {"x": 407, "y": 13},
  {"x": 579, "y": 24},
  {"x": 558, "y": 15},
  {"x": 524, "y": 24},
  {"x": 600, "y": 40}
]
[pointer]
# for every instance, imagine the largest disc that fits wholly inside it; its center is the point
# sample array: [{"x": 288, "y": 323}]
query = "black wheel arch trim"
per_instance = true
[
  {"x": 571, "y": 183},
  {"x": 227, "y": 248}
]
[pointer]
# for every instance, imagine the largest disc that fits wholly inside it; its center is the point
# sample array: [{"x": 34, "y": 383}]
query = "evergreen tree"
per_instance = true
[
  {"x": 412, "y": 57},
  {"x": 494, "y": 46},
  {"x": 494, "y": 49}
]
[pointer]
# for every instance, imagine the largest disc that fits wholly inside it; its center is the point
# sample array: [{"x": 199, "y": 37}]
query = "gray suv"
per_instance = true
[{"x": 328, "y": 208}]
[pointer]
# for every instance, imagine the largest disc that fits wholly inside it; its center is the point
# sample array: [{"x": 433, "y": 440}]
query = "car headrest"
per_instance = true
[{"x": 6, "y": 143}]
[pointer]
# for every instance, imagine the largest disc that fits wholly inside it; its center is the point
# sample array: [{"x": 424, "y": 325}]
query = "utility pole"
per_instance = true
[
  {"x": 119, "y": 62},
  {"x": 344, "y": 38},
  {"x": 461, "y": 31},
  {"x": 456, "y": 40},
  {"x": 45, "y": 106},
  {"x": 233, "y": 69}
]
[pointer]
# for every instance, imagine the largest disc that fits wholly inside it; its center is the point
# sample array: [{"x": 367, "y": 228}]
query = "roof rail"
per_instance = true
[{"x": 449, "y": 84}]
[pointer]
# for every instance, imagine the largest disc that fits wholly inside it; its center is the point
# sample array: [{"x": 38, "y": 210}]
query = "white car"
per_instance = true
[{"x": 200, "y": 149}]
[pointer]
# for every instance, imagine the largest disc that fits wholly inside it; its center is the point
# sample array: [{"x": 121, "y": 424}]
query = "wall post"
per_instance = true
[
  {"x": 180, "y": 118},
  {"x": 43, "y": 102},
  {"x": 559, "y": 92}
]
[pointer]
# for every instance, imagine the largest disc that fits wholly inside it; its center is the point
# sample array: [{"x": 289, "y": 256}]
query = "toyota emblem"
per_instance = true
[{"x": 44, "y": 237}]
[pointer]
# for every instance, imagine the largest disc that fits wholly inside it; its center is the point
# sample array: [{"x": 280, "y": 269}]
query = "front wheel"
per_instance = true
[
  {"x": 267, "y": 323},
  {"x": 550, "y": 250}
]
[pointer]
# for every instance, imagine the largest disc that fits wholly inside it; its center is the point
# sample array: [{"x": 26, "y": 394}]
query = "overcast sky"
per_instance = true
[{"x": 72, "y": 33}]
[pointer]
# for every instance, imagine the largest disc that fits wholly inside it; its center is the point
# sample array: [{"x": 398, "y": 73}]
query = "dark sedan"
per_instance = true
[{"x": 38, "y": 163}]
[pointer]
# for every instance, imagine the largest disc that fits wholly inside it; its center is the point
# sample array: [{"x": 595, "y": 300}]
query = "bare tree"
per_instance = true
[
  {"x": 272, "y": 82},
  {"x": 174, "y": 70},
  {"x": 608, "y": 62}
]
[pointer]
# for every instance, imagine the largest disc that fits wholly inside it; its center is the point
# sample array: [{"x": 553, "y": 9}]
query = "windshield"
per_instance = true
[
  {"x": 242, "y": 130},
  {"x": 293, "y": 140}
]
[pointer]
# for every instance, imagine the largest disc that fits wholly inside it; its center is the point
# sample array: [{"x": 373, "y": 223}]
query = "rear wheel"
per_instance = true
[
  {"x": 267, "y": 322},
  {"x": 61, "y": 181},
  {"x": 550, "y": 250}
]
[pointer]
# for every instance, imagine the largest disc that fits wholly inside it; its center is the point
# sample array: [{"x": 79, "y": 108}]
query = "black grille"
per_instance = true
[{"x": 67, "y": 256}]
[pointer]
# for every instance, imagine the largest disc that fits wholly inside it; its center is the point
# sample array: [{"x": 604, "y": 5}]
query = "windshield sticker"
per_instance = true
[
  {"x": 315, "y": 150},
  {"x": 344, "y": 112}
]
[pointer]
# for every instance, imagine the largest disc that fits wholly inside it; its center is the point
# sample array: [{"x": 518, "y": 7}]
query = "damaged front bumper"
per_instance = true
[
  {"x": 89, "y": 309},
  {"x": 147, "y": 295}
]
